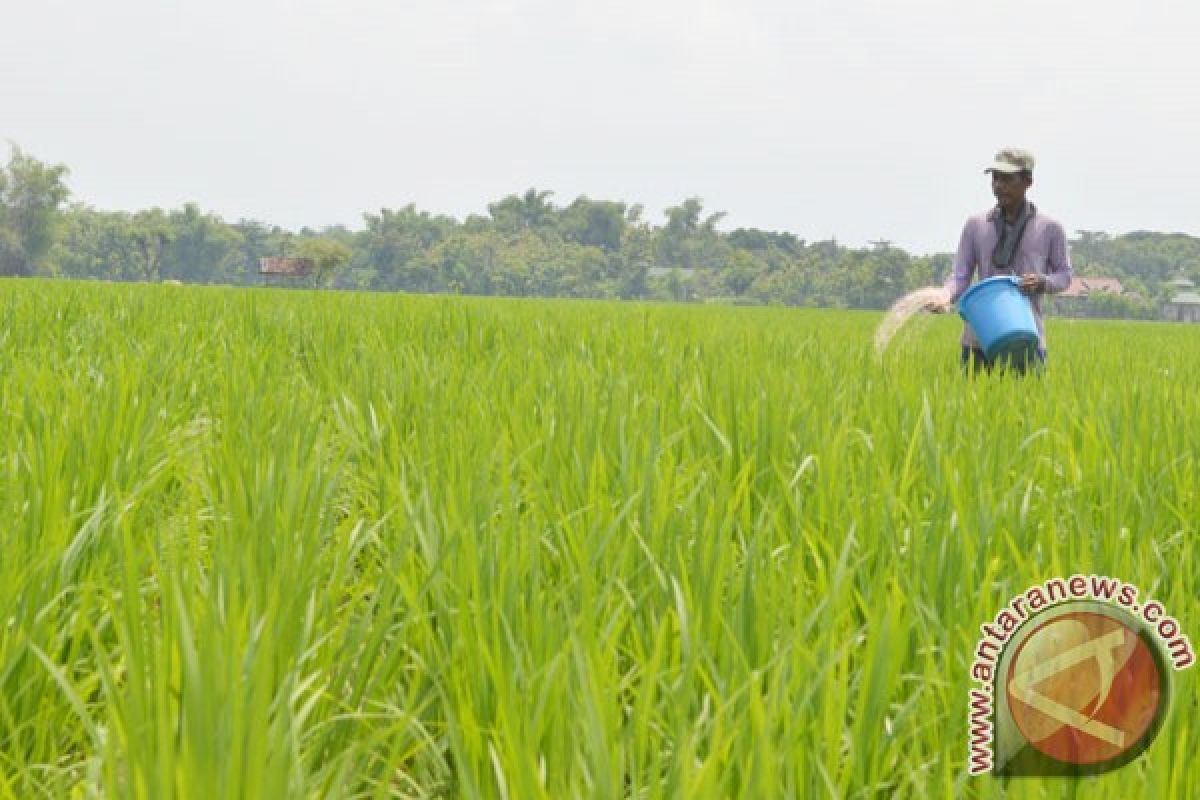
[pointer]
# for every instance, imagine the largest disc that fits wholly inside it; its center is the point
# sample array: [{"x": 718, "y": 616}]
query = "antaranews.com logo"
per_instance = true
[{"x": 1073, "y": 679}]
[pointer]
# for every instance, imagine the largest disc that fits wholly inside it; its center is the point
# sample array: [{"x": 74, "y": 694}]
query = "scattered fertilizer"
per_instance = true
[{"x": 904, "y": 309}]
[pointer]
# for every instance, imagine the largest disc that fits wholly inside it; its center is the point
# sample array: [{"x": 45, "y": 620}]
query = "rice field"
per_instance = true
[{"x": 275, "y": 544}]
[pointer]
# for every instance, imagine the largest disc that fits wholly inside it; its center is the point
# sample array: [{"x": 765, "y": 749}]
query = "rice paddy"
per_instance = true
[{"x": 268, "y": 544}]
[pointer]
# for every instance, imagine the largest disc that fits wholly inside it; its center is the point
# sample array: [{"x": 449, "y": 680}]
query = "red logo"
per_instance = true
[{"x": 1085, "y": 689}]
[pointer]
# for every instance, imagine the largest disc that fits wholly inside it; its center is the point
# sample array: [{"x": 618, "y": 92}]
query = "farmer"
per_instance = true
[{"x": 1014, "y": 238}]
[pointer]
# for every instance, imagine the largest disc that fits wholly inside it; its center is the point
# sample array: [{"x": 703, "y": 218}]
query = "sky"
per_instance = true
[{"x": 857, "y": 120}]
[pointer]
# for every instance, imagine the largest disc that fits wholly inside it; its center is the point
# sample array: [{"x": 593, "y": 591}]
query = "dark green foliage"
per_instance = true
[
  {"x": 1144, "y": 262},
  {"x": 528, "y": 246},
  {"x": 30, "y": 194}
]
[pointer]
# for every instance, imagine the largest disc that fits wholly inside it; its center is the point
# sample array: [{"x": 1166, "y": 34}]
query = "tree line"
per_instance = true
[{"x": 525, "y": 245}]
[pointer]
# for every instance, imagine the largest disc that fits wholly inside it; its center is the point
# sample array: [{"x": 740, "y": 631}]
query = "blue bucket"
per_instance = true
[{"x": 1002, "y": 319}]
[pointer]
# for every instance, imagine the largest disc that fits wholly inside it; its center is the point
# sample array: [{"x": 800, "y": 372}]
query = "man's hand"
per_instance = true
[
  {"x": 935, "y": 300},
  {"x": 1032, "y": 283}
]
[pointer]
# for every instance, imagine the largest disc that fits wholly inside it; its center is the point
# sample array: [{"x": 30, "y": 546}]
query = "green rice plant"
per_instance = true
[{"x": 262, "y": 543}]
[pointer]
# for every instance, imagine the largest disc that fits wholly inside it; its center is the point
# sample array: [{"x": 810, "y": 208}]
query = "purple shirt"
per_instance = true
[{"x": 1043, "y": 250}]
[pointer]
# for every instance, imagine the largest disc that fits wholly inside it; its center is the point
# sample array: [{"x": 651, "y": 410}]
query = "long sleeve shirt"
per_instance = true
[{"x": 1043, "y": 250}]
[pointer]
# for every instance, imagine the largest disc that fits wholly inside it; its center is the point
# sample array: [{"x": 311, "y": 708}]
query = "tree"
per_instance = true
[
  {"x": 684, "y": 218},
  {"x": 96, "y": 244},
  {"x": 529, "y": 211},
  {"x": 259, "y": 240},
  {"x": 201, "y": 248},
  {"x": 13, "y": 260},
  {"x": 328, "y": 256},
  {"x": 594, "y": 223},
  {"x": 150, "y": 233},
  {"x": 739, "y": 275},
  {"x": 395, "y": 246},
  {"x": 30, "y": 195}
]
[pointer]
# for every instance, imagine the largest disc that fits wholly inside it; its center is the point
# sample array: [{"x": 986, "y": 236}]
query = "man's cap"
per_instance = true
[{"x": 1012, "y": 160}]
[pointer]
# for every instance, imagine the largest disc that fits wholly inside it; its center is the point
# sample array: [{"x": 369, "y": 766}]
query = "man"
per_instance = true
[{"x": 1014, "y": 238}]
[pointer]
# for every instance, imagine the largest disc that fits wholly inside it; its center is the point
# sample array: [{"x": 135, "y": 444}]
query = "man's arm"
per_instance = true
[
  {"x": 964, "y": 264},
  {"x": 1058, "y": 265}
]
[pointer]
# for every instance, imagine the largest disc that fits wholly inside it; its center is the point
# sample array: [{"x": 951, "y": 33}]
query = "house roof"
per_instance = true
[
  {"x": 281, "y": 265},
  {"x": 1186, "y": 299},
  {"x": 1082, "y": 286}
]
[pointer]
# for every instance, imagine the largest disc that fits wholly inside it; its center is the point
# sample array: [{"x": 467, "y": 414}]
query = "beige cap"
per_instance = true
[{"x": 1012, "y": 160}]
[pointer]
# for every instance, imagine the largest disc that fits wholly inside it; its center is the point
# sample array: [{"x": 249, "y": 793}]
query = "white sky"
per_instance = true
[{"x": 827, "y": 118}]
